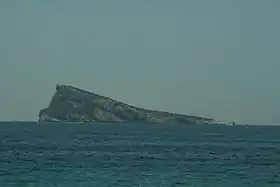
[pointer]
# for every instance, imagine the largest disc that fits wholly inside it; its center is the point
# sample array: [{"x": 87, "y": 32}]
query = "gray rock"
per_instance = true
[{"x": 70, "y": 104}]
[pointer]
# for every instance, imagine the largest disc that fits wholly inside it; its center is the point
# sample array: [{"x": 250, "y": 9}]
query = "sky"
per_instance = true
[{"x": 218, "y": 58}]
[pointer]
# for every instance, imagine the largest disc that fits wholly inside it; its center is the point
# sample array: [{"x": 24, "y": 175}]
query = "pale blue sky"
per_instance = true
[{"x": 218, "y": 58}]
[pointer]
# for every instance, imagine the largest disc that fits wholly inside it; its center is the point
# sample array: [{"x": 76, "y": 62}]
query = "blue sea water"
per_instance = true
[{"x": 146, "y": 155}]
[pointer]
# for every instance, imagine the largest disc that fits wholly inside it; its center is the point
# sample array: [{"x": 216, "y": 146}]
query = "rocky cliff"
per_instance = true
[{"x": 70, "y": 104}]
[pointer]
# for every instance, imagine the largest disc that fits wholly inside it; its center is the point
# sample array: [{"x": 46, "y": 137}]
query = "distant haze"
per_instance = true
[{"x": 217, "y": 58}]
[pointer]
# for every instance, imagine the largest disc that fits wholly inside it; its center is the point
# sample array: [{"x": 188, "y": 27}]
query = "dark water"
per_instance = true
[{"x": 74, "y": 155}]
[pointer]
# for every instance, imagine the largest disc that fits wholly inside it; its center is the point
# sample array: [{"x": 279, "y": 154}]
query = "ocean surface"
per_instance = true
[{"x": 146, "y": 155}]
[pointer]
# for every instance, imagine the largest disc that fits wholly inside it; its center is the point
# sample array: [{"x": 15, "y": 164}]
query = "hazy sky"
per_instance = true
[{"x": 218, "y": 58}]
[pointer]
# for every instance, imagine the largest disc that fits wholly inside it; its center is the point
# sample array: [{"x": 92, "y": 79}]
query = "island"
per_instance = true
[{"x": 71, "y": 104}]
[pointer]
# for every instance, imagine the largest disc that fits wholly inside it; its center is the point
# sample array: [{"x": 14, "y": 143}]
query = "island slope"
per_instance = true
[{"x": 71, "y": 104}]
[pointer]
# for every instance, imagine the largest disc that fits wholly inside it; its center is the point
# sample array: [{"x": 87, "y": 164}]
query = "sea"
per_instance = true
[{"x": 141, "y": 155}]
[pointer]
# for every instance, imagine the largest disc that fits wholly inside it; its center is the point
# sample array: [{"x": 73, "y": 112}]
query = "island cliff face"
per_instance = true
[{"x": 70, "y": 104}]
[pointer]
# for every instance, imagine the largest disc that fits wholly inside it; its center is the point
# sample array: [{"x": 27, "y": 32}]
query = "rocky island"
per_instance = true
[{"x": 71, "y": 104}]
